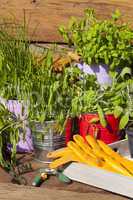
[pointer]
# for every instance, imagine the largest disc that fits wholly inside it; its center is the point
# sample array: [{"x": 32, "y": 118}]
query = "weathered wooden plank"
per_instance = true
[
  {"x": 45, "y": 16},
  {"x": 14, "y": 192}
]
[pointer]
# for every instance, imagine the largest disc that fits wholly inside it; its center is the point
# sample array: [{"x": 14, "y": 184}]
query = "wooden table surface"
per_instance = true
[
  {"x": 44, "y": 16},
  {"x": 15, "y": 192},
  {"x": 52, "y": 189}
]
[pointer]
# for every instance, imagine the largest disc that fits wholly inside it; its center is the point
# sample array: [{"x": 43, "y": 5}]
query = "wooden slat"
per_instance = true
[
  {"x": 45, "y": 16},
  {"x": 15, "y": 192}
]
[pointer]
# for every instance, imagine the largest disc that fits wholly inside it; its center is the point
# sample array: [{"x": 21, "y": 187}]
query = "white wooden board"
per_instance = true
[{"x": 100, "y": 178}]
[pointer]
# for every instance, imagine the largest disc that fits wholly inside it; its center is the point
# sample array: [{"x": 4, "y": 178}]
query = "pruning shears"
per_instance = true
[{"x": 58, "y": 173}]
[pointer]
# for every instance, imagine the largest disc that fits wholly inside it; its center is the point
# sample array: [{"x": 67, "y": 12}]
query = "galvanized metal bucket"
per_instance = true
[{"x": 46, "y": 139}]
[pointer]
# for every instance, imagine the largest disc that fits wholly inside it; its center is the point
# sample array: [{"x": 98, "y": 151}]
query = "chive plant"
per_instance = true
[{"x": 16, "y": 64}]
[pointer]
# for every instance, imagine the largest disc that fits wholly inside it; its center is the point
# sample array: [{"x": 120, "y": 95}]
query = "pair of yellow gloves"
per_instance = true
[{"x": 92, "y": 152}]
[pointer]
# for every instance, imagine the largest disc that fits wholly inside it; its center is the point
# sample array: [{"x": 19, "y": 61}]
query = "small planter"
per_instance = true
[
  {"x": 129, "y": 132},
  {"x": 46, "y": 139},
  {"x": 107, "y": 134},
  {"x": 83, "y": 126}
]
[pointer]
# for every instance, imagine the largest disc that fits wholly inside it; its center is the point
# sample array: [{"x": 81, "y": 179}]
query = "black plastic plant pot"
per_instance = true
[{"x": 129, "y": 132}]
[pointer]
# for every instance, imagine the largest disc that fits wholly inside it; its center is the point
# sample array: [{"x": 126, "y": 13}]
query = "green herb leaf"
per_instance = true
[
  {"x": 94, "y": 120},
  {"x": 116, "y": 15},
  {"x": 101, "y": 116},
  {"x": 118, "y": 111},
  {"x": 124, "y": 120},
  {"x": 125, "y": 70}
]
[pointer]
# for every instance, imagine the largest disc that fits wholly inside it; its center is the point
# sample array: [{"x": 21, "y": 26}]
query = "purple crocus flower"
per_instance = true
[
  {"x": 17, "y": 109},
  {"x": 100, "y": 71}
]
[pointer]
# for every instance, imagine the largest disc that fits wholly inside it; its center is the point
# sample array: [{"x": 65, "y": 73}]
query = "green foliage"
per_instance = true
[
  {"x": 101, "y": 116},
  {"x": 49, "y": 99},
  {"x": 115, "y": 99},
  {"x": 57, "y": 96},
  {"x": 116, "y": 15},
  {"x": 108, "y": 42},
  {"x": 101, "y": 41},
  {"x": 16, "y": 62},
  {"x": 16, "y": 71},
  {"x": 124, "y": 121},
  {"x": 72, "y": 93},
  {"x": 9, "y": 135}
]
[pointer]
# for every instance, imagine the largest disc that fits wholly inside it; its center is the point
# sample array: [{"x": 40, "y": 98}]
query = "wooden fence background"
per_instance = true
[{"x": 45, "y": 16}]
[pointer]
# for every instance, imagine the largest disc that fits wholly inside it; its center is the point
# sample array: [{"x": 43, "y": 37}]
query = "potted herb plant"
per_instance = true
[
  {"x": 104, "y": 45},
  {"x": 15, "y": 69},
  {"x": 102, "y": 113},
  {"x": 48, "y": 107}
]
